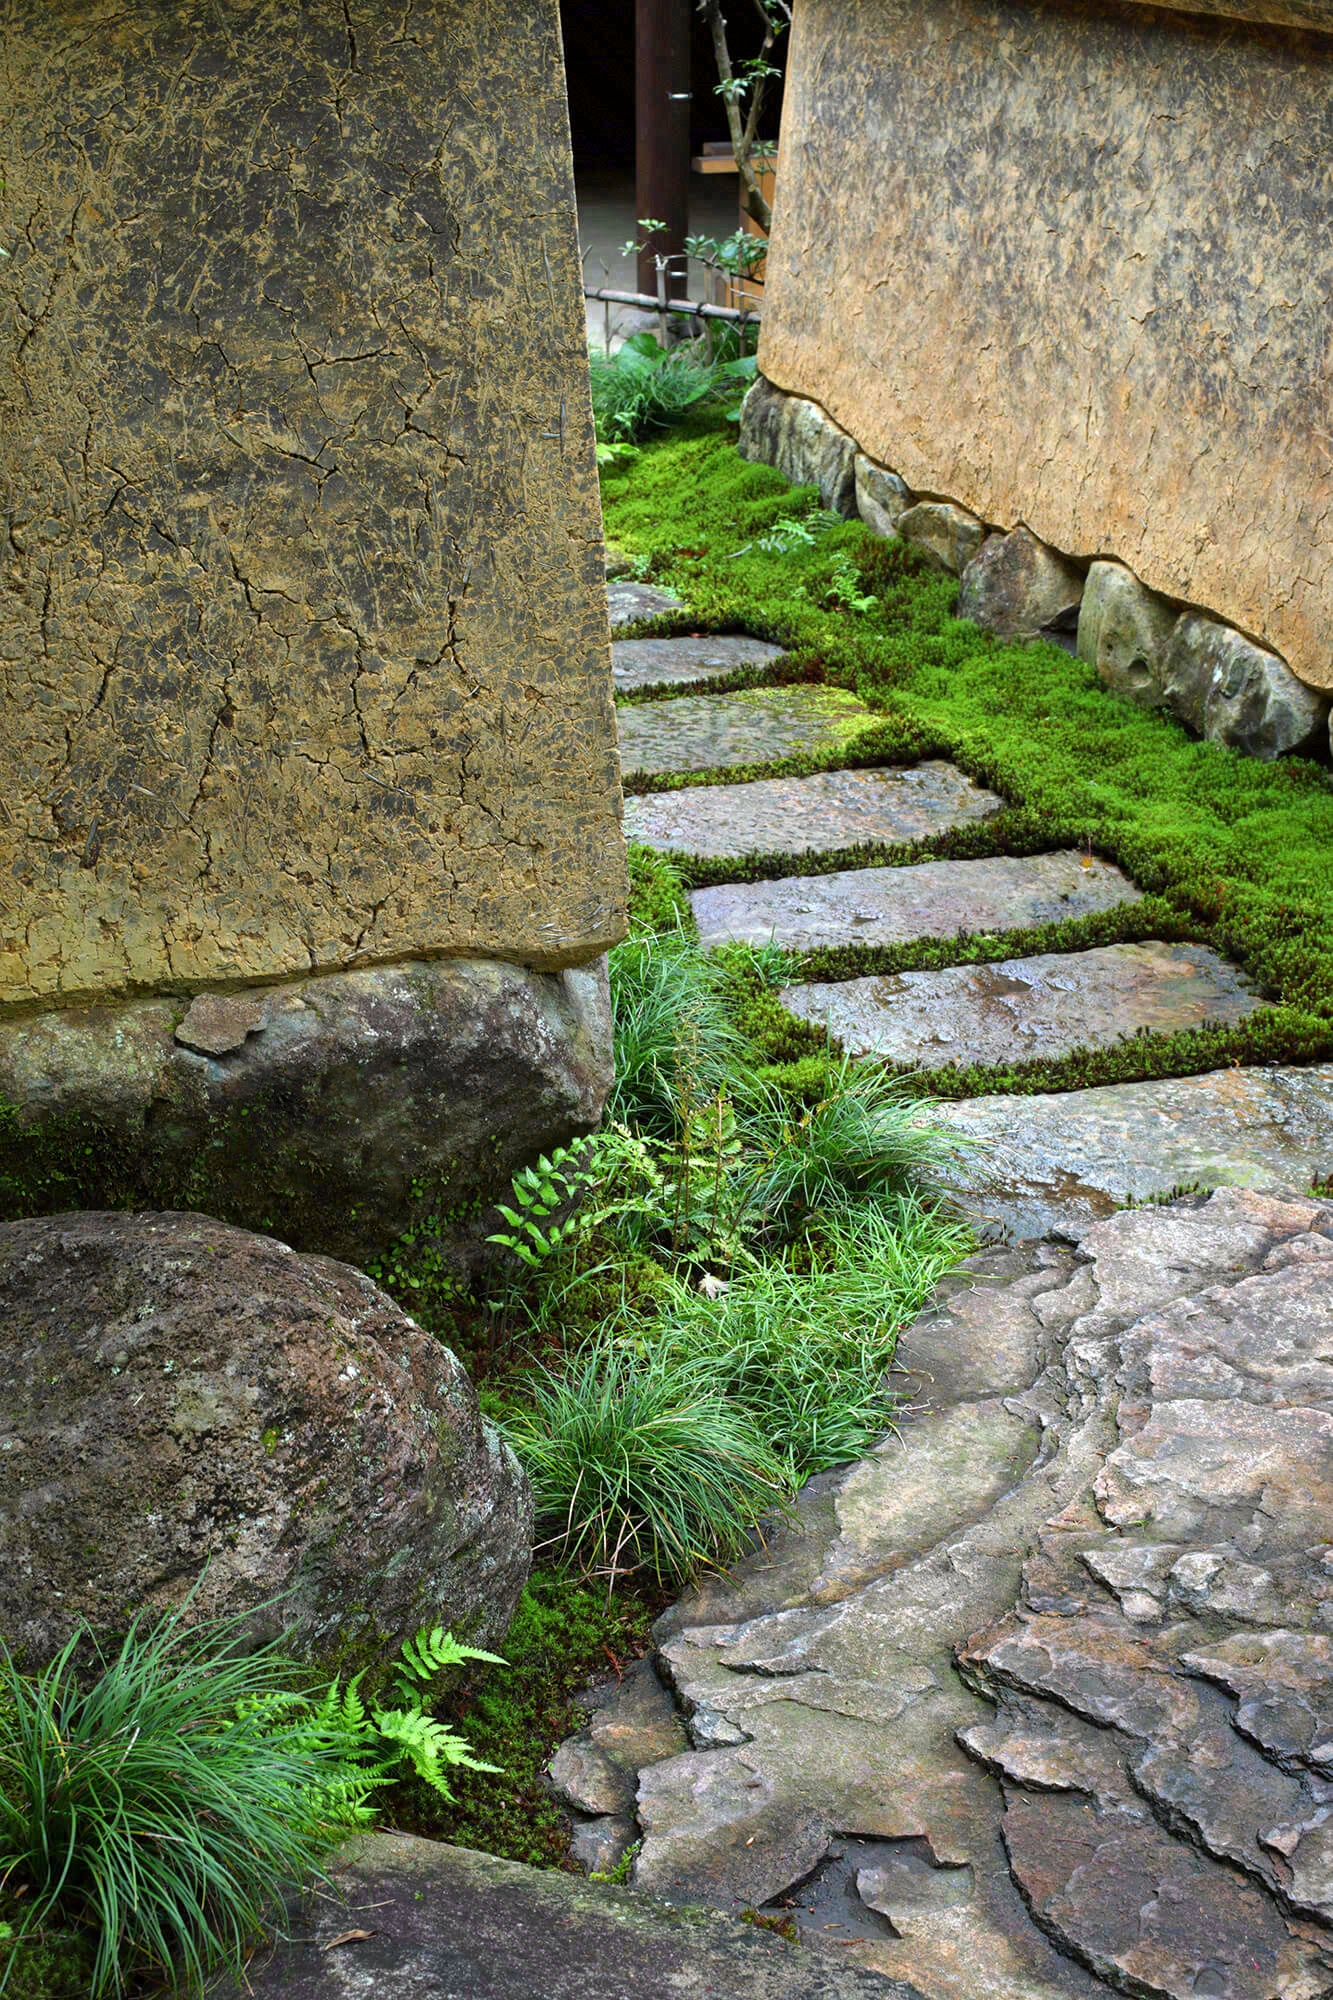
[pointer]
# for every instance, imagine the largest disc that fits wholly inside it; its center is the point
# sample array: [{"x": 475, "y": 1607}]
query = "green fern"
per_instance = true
[
  {"x": 429, "y": 1652},
  {"x": 377, "y": 1741}
]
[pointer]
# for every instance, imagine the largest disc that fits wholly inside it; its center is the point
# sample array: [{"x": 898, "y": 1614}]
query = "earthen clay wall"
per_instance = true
[
  {"x": 303, "y": 646},
  {"x": 1072, "y": 266}
]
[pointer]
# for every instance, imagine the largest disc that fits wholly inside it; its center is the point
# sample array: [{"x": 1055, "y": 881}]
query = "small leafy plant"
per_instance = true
[{"x": 155, "y": 1800}]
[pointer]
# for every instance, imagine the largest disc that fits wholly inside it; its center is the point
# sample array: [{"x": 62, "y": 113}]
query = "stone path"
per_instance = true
[
  {"x": 641, "y": 663},
  {"x": 816, "y": 815},
  {"x": 1027, "y": 1007},
  {"x": 1037, "y": 1699},
  {"x": 752, "y": 726},
  {"x": 894, "y": 905},
  {"x": 1060, "y": 1650},
  {"x": 1041, "y": 1163}
]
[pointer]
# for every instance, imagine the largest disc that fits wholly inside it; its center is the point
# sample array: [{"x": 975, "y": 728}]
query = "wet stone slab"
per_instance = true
[
  {"x": 892, "y": 905},
  {"x": 626, "y": 601},
  {"x": 645, "y": 663},
  {"x": 1061, "y": 1162},
  {"x": 809, "y": 815},
  {"x": 1025, "y": 1008},
  {"x": 705, "y": 732}
]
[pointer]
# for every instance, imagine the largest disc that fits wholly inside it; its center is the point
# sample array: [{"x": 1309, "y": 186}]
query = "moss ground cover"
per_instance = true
[{"x": 1231, "y": 852}]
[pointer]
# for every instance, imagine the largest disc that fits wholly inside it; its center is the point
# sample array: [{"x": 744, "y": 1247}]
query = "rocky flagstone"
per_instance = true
[
  {"x": 1039, "y": 1696},
  {"x": 891, "y": 905},
  {"x": 645, "y": 663},
  {"x": 1057, "y": 1163},
  {"x": 813, "y": 815},
  {"x": 1025, "y": 1008},
  {"x": 628, "y": 601},
  {"x": 751, "y": 726}
]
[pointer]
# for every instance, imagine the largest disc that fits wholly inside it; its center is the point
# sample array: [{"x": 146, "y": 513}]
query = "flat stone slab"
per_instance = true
[
  {"x": 1025, "y": 1008},
  {"x": 424, "y": 1921},
  {"x": 1091, "y": 1561},
  {"x": 645, "y": 663},
  {"x": 704, "y": 732},
  {"x": 627, "y": 601},
  {"x": 1060, "y": 1162},
  {"x": 809, "y": 815},
  {"x": 893, "y": 905}
]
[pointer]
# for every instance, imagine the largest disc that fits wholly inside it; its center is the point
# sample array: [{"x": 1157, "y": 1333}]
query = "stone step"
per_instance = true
[
  {"x": 809, "y": 815},
  {"x": 646, "y": 663},
  {"x": 1060, "y": 1162},
  {"x": 414, "y": 1919},
  {"x": 703, "y": 732},
  {"x": 893, "y": 905},
  {"x": 627, "y": 601},
  {"x": 1025, "y": 1008}
]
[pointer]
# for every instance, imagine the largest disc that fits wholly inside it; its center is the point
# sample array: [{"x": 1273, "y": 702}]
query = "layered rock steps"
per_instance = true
[{"x": 1037, "y": 1699}]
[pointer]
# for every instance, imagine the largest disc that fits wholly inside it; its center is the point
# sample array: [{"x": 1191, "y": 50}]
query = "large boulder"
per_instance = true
[
  {"x": 1123, "y": 631},
  {"x": 802, "y": 442},
  {"x": 1017, "y": 587},
  {"x": 336, "y": 1111},
  {"x": 186, "y": 1406},
  {"x": 1237, "y": 693}
]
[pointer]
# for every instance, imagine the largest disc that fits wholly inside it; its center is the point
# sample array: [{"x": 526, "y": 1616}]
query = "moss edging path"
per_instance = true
[{"x": 1225, "y": 920}]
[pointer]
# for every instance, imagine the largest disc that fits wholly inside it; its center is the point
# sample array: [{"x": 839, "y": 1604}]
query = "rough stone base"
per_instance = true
[
  {"x": 1215, "y": 680},
  {"x": 335, "y": 1112}
]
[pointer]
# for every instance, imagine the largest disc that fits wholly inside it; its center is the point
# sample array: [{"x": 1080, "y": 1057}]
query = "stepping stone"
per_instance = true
[
  {"x": 645, "y": 663},
  {"x": 1024, "y": 1008},
  {"x": 809, "y": 815},
  {"x": 892, "y": 905},
  {"x": 626, "y": 601},
  {"x": 1059, "y": 1162},
  {"x": 704, "y": 732},
  {"x": 420, "y": 1920}
]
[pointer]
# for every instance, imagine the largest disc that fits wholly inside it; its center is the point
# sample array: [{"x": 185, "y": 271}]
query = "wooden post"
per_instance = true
[{"x": 662, "y": 137}]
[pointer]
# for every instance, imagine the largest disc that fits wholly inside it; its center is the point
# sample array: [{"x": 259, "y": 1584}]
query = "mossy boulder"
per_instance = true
[{"x": 186, "y": 1406}]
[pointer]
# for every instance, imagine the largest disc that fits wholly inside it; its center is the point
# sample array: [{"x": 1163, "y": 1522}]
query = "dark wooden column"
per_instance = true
[{"x": 662, "y": 134}]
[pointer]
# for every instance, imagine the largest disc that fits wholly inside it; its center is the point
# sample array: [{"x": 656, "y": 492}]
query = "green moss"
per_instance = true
[
  {"x": 657, "y": 898},
  {"x": 563, "y": 1635},
  {"x": 1231, "y": 852},
  {"x": 53, "y": 1966}
]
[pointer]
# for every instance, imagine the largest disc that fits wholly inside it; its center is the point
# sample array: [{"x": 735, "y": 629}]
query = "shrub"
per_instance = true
[
  {"x": 152, "y": 1804},
  {"x": 866, "y": 1136},
  {"x": 805, "y": 1352},
  {"x": 644, "y": 386},
  {"x": 674, "y": 1038},
  {"x": 635, "y": 1459}
]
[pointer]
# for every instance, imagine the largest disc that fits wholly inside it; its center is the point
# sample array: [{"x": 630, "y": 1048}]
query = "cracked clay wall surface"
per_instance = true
[
  {"x": 302, "y": 628},
  {"x": 1070, "y": 265}
]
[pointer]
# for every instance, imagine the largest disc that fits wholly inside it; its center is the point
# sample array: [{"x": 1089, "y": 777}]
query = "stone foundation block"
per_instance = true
[
  {"x": 1017, "y": 587},
  {"x": 881, "y": 496},
  {"x": 949, "y": 536},
  {"x": 1237, "y": 693},
  {"x": 801, "y": 442},
  {"x": 336, "y": 1111},
  {"x": 1123, "y": 631}
]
